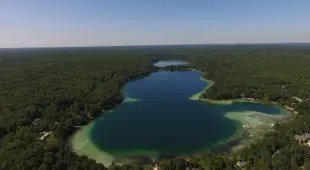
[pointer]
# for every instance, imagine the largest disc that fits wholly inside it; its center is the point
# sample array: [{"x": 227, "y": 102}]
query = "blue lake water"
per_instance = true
[
  {"x": 164, "y": 121},
  {"x": 169, "y": 63}
]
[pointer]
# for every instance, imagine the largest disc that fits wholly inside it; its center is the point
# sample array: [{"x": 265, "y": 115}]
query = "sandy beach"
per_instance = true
[
  {"x": 82, "y": 145},
  {"x": 129, "y": 99}
]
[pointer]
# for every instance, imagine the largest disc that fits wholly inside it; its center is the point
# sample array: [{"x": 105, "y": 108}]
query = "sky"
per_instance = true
[{"x": 53, "y": 23}]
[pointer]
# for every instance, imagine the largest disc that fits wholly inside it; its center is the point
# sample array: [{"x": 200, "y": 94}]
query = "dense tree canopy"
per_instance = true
[
  {"x": 63, "y": 89},
  {"x": 59, "y": 89},
  {"x": 270, "y": 73}
]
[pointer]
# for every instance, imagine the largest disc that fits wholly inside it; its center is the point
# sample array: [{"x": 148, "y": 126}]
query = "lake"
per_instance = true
[
  {"x": 161, "y": 120},
  {"x": 170, "y": 63}
]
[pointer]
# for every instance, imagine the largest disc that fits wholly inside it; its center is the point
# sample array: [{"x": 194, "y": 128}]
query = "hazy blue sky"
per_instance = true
[{"x": 25, "y": 23}]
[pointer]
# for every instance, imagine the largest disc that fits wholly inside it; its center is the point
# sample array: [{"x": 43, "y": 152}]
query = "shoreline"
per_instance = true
[
  {"x": 129, "y": 99},
  {"x": 82, "y": 145},
  {"x": 243, "y": 136},
  {"x": 197, "y": 96}
]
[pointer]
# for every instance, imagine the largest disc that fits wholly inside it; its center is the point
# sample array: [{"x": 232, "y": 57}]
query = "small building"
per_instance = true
[
  {"x": 36, "y": 121},
  {"x": 246, "y": 126},
  {"x": 44, "y": 135},
  {"x": 55, "y": 125},
  {"x": 288, "y": 108},
  {"x": 242, "y": 95},
  {"x": 297, "y": 99},
  {"x": 155, "y": 167},
  {"x": 303, "y": 139},
  {"x": 251, "y": 99},
  {"x": 241, "y": 164}
]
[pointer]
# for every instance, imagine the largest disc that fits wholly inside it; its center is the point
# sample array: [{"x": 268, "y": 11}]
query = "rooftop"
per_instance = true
[{"x": 304, "y": 137}]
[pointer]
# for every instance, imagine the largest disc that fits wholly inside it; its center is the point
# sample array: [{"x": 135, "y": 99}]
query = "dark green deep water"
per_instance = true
[{"x": 164, "y": 120}]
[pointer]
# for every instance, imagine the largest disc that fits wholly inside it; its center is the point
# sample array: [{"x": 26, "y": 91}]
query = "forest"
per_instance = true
[{"x": 58, "y": 89}]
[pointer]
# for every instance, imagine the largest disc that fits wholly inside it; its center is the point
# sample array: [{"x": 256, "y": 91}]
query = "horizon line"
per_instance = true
[{"x": 150, "y": 45}]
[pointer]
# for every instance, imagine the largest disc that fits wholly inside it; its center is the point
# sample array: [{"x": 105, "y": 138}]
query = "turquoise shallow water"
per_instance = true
[{"x": 164, "y": 121}]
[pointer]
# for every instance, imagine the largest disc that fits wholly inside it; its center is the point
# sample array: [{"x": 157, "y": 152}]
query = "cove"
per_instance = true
[{"x": 162, "y": 120}]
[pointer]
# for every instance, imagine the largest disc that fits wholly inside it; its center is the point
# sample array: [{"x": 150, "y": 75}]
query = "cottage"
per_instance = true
[
  {"x": 155, "y": 167},
  {"x": 251, "y": 99},
  {"x": 44, "y": 135},
  {"x": 36, "y": 121},
  {"x": 246, "y": 126},
  {"x": 242, "y": 95},
  {"x": 241, "y": 164},
  {"x": 304, "y": 138},
  {"x": 297, "y": 99},
  {"x": 288, "y": 108}
]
